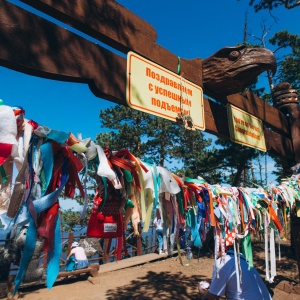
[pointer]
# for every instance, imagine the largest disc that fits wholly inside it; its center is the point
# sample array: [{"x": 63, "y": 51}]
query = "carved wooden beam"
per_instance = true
[
  {"x": 255, "y": 106},
  {"x": 279, "y": 144},
  {"x": 116, "y": 26},
  {"x": 286, "y": 99},
  {"x": 35, "y": 46}
]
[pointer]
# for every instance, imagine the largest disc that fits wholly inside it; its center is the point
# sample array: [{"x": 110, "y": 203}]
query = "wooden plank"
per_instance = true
[
  {"x": 55, "y": 53},
  {"x": 107, "y": 21},
  {"x": 279, "y": 144},
  {"x": 52, "y": 56},
  {"x": 294, "y": 118},
  {"x": 216, "y": 121},
  {"x": 133, "y": 261},
  {"x": 262, "y": 110},
  {"x": 93, "y": 270},
  {"x": 116, "y": 26}
]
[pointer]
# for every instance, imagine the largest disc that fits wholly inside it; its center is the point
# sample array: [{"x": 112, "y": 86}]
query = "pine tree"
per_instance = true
[
  {"x": 271, "y": 4},
  {"x": 289, "y": 64},
  {"x": 198, "y": 156},
  {"x": 127, "y": 128},
  {"x": 235, "y": 161}
]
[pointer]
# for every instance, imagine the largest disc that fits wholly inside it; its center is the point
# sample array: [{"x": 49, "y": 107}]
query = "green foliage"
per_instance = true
[
  {"x": 147, "y": 136},
  {"x": 279, "y": 170},
  {"x": 289, "y": 65},
  {"x": 127, "y": 128},
  {"x": 162, "y": 138},
  {"x": 158, "y": 139},
  {"x": 271, "y": 4},
  {"x": 197, "y": 155},
  {"x": 71, "y": 219},
  {"x": 235, "y": 160}
]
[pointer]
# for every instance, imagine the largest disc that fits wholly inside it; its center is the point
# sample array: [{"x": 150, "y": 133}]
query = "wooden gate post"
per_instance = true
[
  {"x": 139, "y": 244},
  {"x": 295, "y": 236},
  {"x": 286, "y": 99},
  {"x": 70, "y": 241}
]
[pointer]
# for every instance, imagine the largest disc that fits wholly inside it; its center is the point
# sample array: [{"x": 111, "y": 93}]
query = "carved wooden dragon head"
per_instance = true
[{"x": 231, "y": 69}]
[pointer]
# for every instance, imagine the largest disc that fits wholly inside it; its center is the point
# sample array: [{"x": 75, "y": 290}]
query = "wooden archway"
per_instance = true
[{"x": 35, "y": 46}]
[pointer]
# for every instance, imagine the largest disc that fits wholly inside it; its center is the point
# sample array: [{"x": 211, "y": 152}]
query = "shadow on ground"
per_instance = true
[
  {"x": 286, "y": 268},
  {"x": 35, "y": 288},
  {"x": 158, "y": 286}
]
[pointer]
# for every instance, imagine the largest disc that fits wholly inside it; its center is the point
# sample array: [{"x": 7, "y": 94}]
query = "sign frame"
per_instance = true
[
  {"x": 156, "y": 90},
  {"x": 245, "y": 129}
]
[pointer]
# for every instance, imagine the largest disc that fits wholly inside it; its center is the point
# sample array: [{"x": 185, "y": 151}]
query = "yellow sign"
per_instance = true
[
  {"x": 245, "y": 129},
  {"x": 158, "y": 91}
]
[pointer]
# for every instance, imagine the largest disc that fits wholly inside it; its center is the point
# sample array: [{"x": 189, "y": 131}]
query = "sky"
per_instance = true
[{"x": 189, "y": 29}]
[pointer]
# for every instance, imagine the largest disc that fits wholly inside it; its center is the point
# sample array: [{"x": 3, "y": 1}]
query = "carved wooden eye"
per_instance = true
[{"x": 233, "y": 55}]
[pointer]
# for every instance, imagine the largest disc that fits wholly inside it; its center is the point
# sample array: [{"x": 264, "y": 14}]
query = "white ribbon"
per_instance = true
[
  {"x": 266, "y": 224},
  {"x": 272, "y": 256},
  {"x": 85, "y": 188},
  {"x": 168, "y": 182},
  {"x": 104, "y": 169}
]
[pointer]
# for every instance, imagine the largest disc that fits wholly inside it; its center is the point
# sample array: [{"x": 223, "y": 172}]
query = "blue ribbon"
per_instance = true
[
  {"x": 58, "y": 136},
  {"x": 39, "y": 204},
  {"x": 26, "y": 254},
  {"x": 194, "y": 229},
  {"x": 47, "y": 158}
]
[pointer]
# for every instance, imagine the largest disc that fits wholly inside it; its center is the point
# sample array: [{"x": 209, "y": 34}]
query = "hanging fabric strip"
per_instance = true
[
  {"x": 146, "y": 194},
  {"x": 247, "y": 250},
  {"x": 104, "y": 169},
  {"x": 211, "y": 206},
  {"x": 29, "y": 199},
  {"x": 272, "y": 255},
  {"x": 18, "y": 192},
  {"x": 119, "y": 241},
  {"x": 48, "y": 164},
  {"x": 26, "y": 254},
  {"x": 150, "y": 200},
  {"x": 217, "y": 248},
  {"x": 279, "y": 252},
  {"x": 59, "y": 137},
  {"x": 237, "y": 271},
  {"x": 274, "y": 217},
  {"x": 156, "y": 181},
  {"x": 266, "y": 247},
  {"x": 248, "y": 203},
  {"x": 194, "y": 229},
  {"x": 179, "y": 255},
  {"x": 40, "y": 204},
  {"x": 85, "y": 203},
  {"x": 3, "y": 174}
]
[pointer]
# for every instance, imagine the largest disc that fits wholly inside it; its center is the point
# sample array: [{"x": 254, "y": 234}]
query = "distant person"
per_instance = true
[
  {"x": 158, "y": 223},
  {"x": 252, "y": 286},
  {"x": 77, "y": 258}
]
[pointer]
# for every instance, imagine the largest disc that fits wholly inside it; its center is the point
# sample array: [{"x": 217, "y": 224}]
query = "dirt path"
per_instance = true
[{"x": 162, "y": 279}]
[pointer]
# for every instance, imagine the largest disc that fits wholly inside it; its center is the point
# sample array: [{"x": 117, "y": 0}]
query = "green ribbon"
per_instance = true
[
  {"x": 178, "y": 66},
  {"x": 247, "y": 250},
  {"x": 193, "y": 180},
  {"x": 128, "y": 175},
  {"x": 3, "y": 174},
  {"x": 129, "y": 204}
]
